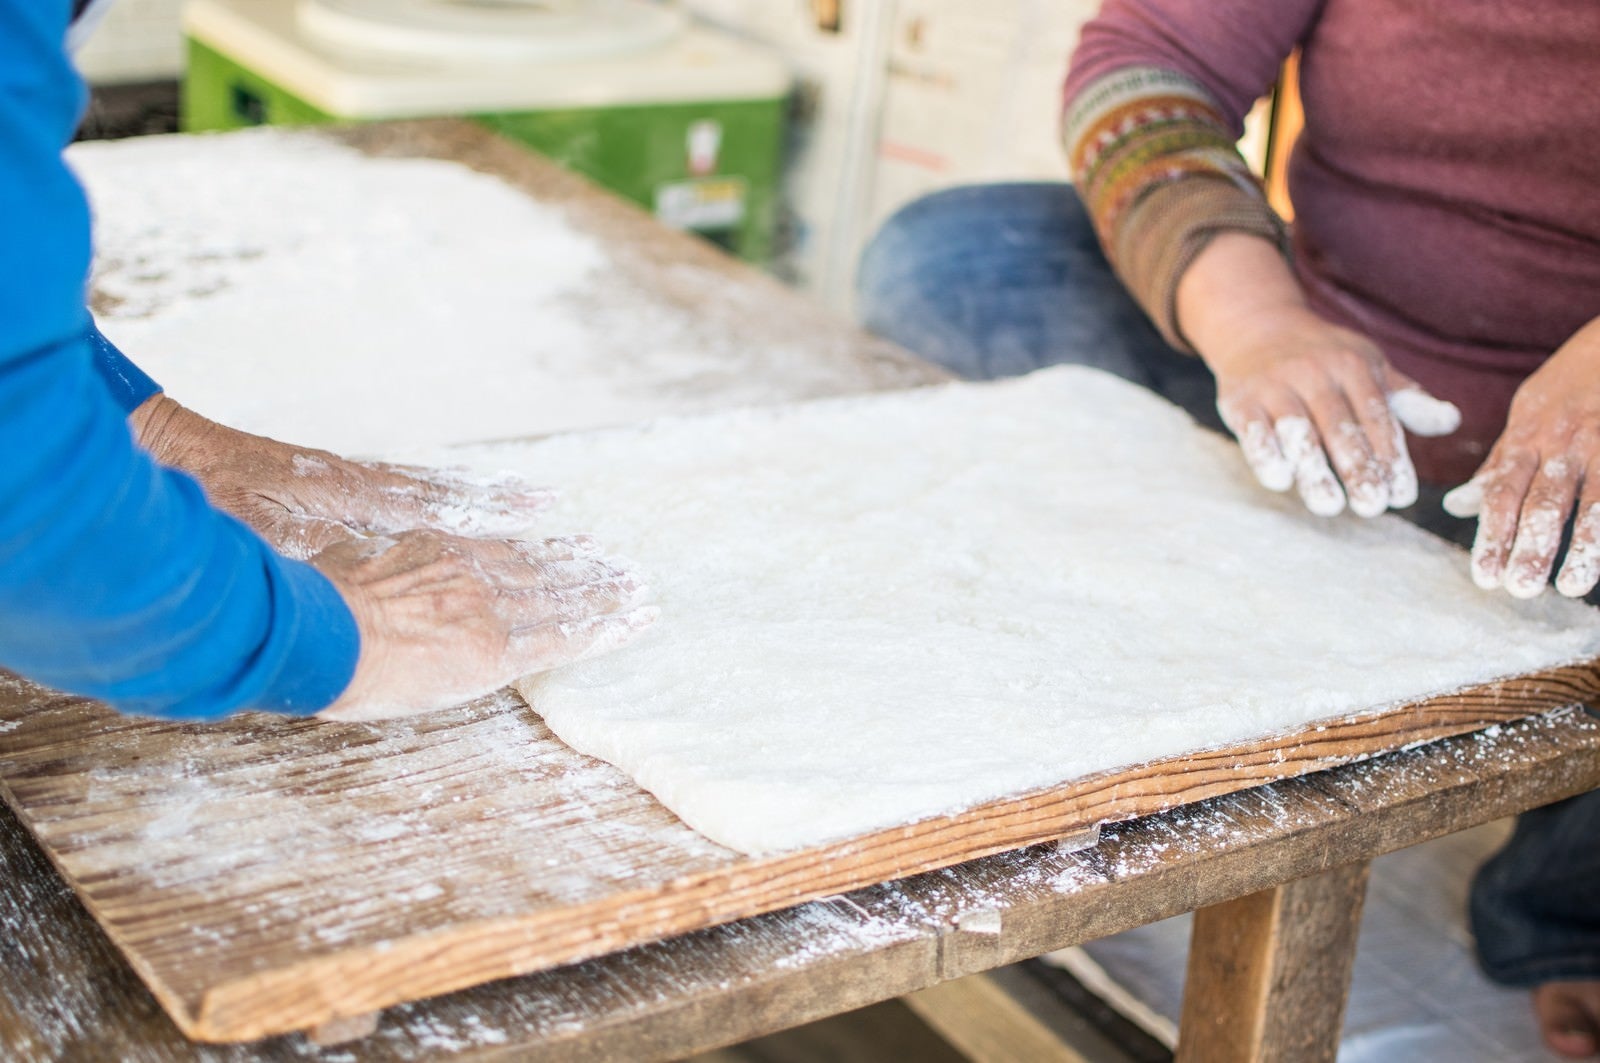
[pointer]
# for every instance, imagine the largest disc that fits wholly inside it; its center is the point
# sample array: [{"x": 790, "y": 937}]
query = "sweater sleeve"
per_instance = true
[
  {"x": 129, "y": 385},
  {"x": 117, "y": 579},
  {"x": 1156, "y": 99}
]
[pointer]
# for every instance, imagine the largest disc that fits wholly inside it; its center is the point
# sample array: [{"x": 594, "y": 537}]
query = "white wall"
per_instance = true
[
  {"x": 139, "y": 40},
  {"x": 974, "y": 94},
  {"x": 908, "y": 97}
]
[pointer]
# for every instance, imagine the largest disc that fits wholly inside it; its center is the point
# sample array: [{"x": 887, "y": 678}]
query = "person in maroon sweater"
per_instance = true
[{"x": 1430, "y": 322}]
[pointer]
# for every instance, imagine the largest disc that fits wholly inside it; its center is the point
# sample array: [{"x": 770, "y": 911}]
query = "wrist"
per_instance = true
[
  {"x": 174, "y": 435},
  {"x": 1237, "y": 288},
  {"x": 152, "y": 422},
  {"x": 1244, "y": 337}
]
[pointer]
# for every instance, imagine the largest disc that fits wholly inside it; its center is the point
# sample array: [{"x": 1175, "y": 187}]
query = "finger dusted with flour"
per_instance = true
[
  {"x": 1313, "y": 405},
  {"x": 445, "y": 619},
  {"x": 1581, "y": 570},
  {"x": 1543, "y": 472}
]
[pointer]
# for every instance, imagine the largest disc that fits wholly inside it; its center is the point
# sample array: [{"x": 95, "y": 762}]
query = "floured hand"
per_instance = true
[
  {"x": 445, "y": 619},
  {"x": 1314, "y": 406},
  {"x": 302, "y": 500},
  {"x": 1545, "y": 465},
  {"x": 1317, "y": 407}
]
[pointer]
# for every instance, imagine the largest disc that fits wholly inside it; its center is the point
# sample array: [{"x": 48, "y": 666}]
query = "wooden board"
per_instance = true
[
  {"x": 266, "y": 875},
  {"x": 66, "y": 995}
]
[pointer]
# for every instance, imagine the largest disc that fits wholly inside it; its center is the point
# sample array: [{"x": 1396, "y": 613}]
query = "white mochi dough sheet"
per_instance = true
[{"x": 881, "y": 609}]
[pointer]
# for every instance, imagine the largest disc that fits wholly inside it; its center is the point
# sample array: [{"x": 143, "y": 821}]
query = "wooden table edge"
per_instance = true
[{"x": 235, "y": 1011}]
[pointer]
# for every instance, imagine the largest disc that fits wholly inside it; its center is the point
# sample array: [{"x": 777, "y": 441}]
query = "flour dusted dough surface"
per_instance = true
[
  {"x": 881, "y": 609},
  {"x": 285, "y": 284}
]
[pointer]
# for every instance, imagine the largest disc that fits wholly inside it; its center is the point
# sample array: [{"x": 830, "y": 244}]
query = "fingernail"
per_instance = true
[
  {"x": 1368, "y": 499},
  {"x": 1324, "y": 499},
  {"x": 1424, "y": 414},
  {"x": 1403, "y": 487},
  {"x": 1579, "y": 572},
  {"x": 1464, "y": 501},
  {"x": 1532, "y": 550},
  {"x": 630, "y": 591},
  {"x": 583, "y": 545},
  {"x": 537, "y": 499},
  {"x": 1484, "y": 575},
  {"x": 612, "y": 632},
  {"x": 1525, "y": 585},
  {"x": 1318, "y": 489},
  {"x": 1265, "y": 459}
]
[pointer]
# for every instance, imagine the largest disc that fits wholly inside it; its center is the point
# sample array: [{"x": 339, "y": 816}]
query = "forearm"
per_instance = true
[
  {"x": 1156, "y": 98},
  {"x": 117, "y": 578},
  {"x": 1236, "y": 286},
  {"x": 1154, "y": 163},
  {"x": 121, "y": 582}
]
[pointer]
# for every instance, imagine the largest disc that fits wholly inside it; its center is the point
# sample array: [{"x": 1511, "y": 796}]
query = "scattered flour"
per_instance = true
[
  {"x": 282, "y": 283},
  {"x": 882, "y": 609}
]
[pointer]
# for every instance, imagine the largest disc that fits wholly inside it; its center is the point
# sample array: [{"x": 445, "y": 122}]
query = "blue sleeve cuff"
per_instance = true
[
  {"x": 129, "y": 385},
  {"x": 314, "y": 639}
]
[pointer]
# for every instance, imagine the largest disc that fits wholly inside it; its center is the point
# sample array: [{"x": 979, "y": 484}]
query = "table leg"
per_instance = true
[
  {"x": 342, "y": 1030},
  {"x": 1269, "y": 973}
]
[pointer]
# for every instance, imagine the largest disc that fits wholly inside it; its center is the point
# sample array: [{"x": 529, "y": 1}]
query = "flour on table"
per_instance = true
[
  {"x": 881, "y": 609},
  {"x": 288, "y": 285}
]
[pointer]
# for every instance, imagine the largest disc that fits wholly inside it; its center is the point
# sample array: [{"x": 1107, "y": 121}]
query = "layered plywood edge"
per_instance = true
[{"x": 249, "y": 910}]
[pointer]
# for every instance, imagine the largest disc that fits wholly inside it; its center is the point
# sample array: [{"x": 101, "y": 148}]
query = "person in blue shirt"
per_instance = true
[{"x": 133, "y": 566}]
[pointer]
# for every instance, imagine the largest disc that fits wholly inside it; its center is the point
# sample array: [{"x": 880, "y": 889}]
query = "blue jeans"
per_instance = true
[{"x": 1000, "y": 280}]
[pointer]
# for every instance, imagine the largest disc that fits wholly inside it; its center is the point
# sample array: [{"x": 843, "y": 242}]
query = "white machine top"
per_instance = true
[
  {"x": 441, "y": 32},
  {"x": 373, "y": 59}
]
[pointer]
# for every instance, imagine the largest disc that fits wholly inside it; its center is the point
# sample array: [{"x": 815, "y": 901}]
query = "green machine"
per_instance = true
[{"x": 680, "y": 119}]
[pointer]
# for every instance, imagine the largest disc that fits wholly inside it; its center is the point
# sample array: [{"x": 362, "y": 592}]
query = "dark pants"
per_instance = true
[{"x": 1000, "y": 280}]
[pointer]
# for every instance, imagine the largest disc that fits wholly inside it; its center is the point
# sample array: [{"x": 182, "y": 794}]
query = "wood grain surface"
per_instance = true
[
  {"x": 1269, "y": 972},
  {"x": 66, "y": 995},
  {"x": 267, "y": 875}
]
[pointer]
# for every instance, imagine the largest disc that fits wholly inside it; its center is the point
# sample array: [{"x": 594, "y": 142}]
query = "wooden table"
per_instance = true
[{"x": 1276, "y": 872}]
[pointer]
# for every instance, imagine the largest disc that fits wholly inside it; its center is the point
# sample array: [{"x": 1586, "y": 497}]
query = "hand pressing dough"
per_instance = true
[{"x": 881, "y": 609}]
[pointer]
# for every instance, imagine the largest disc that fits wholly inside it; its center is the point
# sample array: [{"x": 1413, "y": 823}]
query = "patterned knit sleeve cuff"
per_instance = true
[{"x": 1155, "y": 164}]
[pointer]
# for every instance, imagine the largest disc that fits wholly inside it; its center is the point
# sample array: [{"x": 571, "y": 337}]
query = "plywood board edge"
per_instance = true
[{"x": 308, "y": 993}]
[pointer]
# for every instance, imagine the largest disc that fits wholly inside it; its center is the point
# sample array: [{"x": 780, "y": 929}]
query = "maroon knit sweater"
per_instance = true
[{"x": 1446, "y": 186}]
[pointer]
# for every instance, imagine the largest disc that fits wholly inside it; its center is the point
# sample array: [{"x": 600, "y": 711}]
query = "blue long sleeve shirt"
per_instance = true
[{"x": 118, "y": 580}]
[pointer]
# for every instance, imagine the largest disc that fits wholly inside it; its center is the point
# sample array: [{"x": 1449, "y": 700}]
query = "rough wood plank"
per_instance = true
[
  {"x": 1269, "y": 972},
  {"x": 887, "y": 1031},
  {"x": 977, "y": 1015},
  {"x": 65, "y": 995},
  {"x": 342, "y": 1030},
  {"x": 268, "y": 875}
]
